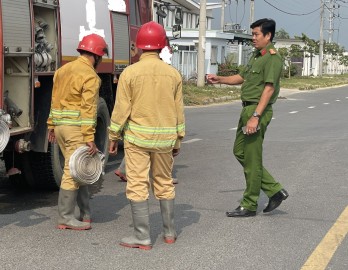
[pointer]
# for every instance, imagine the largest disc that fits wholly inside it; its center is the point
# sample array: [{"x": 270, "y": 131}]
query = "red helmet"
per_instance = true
[
  {"x": 93, "y": 43},
  {"x": 151, "y": 36}
]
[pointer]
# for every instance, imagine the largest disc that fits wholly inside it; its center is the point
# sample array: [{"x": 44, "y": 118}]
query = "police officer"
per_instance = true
[
  {"x": 72, "y": 122},
  {"x": 149, "y": 112},
  {"x": 260, "y": 89}
]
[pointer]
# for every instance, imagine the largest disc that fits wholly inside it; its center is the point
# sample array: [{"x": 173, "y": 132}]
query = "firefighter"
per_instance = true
[
  {"x": 72, "y": 122},
  {"x": 149, "y": 112}
]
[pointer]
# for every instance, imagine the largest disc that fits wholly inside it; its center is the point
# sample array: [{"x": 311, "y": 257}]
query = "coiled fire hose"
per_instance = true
[
  {"x": 84, "y": 168},
  {"x": 4, "y": 135}
]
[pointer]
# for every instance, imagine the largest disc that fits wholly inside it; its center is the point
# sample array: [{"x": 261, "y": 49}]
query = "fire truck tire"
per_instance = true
[
  {"x": 38, "y": 170},
  {"x": 101, "y": 140}
]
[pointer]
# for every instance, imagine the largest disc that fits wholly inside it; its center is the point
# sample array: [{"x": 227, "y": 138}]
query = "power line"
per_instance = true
[{"x": 289, "y": 13}]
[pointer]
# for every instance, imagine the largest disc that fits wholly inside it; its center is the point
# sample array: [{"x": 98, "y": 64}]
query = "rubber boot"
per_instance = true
[
  {"x": 66, "y": 210},
  {"x": 83, "y": 204},
  {"x": 167, "y": 212},
  {"x": 141, "y": 237}
]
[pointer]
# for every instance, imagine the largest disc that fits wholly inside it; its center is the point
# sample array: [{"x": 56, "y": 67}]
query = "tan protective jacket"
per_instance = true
[
  {"x": 149, "y": 105},
  {"x": 75, "y": 97}
]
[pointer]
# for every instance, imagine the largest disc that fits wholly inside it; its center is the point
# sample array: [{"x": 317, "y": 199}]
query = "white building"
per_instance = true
[
  {"x": 218, "y": 44},
  {"x": 310, "y": 62}
]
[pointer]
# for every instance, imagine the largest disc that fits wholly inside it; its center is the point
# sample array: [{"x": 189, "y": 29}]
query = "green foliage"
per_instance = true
[
  {"x": 281, "y": 34},
  {"x": 293, "y": 71},
  {"x": 229, "y": 67}
]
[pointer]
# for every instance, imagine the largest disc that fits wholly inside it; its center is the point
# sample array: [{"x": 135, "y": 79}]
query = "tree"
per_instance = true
[
  {"x": 294, "y": 51},
  {"x": 281, "y": 34}
]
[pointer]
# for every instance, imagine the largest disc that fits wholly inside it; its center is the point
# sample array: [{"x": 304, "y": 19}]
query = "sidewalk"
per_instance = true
[{"x": 288, "y": 92}]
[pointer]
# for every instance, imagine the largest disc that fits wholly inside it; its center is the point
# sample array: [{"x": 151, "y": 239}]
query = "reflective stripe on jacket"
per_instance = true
[
  {"x": 75, "y": 97},
  {"x": 149, "y": 106}
]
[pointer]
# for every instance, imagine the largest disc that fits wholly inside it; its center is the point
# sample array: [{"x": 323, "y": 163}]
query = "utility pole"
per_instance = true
[
  {"x": 321, "y": 40},
  {"x": 201, "y": 44},
  {"x": 222, "y": 15},
  {"x": 251, "y": 18},
  {"x": 330, "y": 21}
]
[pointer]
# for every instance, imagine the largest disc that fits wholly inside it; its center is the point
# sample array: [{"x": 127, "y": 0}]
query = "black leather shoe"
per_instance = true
[
  {"x": 240, "y": 211},
  {"x": 276, "y": 200}
]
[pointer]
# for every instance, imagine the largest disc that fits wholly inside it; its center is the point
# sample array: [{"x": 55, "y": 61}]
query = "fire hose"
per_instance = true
[
  {"x": 84, "y": 168},
  {"x": 4, "y": 135}
]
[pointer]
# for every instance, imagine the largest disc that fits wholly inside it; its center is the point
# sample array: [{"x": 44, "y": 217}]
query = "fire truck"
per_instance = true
[{"x": 36, "y": 38}]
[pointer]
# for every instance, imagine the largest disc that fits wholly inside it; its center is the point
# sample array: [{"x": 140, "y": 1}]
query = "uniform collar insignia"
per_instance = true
[{"x": 263, "y": 52}]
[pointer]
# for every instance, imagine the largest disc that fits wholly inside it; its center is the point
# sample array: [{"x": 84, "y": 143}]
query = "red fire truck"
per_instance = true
[{"x": 36, "y": 38}]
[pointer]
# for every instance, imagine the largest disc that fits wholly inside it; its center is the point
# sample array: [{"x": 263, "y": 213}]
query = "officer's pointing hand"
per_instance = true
[{"x": 211, "y": 78}]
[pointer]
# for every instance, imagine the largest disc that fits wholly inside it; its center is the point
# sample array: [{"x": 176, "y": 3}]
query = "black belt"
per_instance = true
[{"x": 248, "y": 103}]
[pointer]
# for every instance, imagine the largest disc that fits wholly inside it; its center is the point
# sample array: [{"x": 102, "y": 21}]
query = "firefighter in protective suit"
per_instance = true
[
  {"x": 149, "y": 114},
  {"x": 72, "y": 122}
]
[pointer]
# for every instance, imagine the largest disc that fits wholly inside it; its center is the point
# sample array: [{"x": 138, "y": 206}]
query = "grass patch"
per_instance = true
[
  {"x": 194, "y": 95},
  {"x": 308, "y": 83}
]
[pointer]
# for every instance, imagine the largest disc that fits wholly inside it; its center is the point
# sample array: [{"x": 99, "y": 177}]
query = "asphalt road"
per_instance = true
[{"x": 306, "y": 150}]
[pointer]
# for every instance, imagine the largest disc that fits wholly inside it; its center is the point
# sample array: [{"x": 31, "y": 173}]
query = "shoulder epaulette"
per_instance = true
[{"x": 272, "y": 51}]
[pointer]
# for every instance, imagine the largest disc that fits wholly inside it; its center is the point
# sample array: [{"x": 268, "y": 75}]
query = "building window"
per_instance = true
[{"x": 213, "y": 56}]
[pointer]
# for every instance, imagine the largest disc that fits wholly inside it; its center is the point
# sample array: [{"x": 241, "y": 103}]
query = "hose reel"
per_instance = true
[
  {"x": 4, "y": 135},
  {"x": 84, "y": 168}
]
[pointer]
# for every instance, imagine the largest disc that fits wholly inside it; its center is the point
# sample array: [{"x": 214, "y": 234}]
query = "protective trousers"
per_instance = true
[
  {"x": 69, "y": 138},
  {"x": 248, "y": 151},
  {"x": 138, "y": 163}
]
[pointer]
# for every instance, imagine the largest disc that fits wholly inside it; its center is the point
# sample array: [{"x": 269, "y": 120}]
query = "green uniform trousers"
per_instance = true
[
  {"x": 69, "y": 138},
  {"x": 139, "y": 162},
  {"x": 248, "y": 151}
]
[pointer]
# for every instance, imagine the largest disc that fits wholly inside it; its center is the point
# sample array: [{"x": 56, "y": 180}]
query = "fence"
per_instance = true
[{"x": 186, "y": 63}]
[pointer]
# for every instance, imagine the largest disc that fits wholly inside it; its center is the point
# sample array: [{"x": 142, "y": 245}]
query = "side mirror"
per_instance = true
[
  {"x": 176, "y": 31},
  {"x": 178, "y": 16}
]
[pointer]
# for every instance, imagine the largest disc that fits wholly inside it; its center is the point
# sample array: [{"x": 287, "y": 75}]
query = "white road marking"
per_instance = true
[
  {"x": 294, "y": 112},
  {"x": 235, "y": 128},
  {"x": 311, "y": 107},
  {"x": 193, "y": 140},
  {"x": 326, "y": 103},
  {"x": 273, "y": 118},
  {"x": 338, "y": 100}
]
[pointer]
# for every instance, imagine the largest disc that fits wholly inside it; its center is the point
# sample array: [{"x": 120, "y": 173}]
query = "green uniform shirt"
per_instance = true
[{"x": 265, "y": 66}]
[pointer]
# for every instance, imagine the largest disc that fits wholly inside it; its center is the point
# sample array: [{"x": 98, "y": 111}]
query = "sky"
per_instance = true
[{"x": 237, "y": 11}]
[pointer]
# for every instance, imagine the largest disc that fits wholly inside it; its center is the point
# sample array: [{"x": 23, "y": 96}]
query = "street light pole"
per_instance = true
[
  {"x": 201, "y": 44},
  {"x": 222, "y": 22},
  {"x": 321, "y": 40},
  {"x": 251, "y": 18}
]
